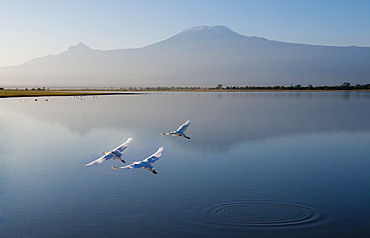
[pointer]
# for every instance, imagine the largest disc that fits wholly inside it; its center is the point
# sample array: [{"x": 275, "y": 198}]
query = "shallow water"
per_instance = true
[{"x": 259, "y": 164}]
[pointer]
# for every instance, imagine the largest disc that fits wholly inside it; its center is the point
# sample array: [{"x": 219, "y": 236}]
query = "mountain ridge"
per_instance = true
[
  {"x": 197, "y": 56},
  {"x": 79, "y": 47}
]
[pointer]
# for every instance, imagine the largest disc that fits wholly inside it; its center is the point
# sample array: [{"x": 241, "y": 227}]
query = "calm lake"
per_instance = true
[{"x": 258, "y": 164}]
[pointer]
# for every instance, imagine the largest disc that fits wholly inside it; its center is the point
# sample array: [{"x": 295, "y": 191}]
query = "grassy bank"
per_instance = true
[{"x": 43, "y": 93}]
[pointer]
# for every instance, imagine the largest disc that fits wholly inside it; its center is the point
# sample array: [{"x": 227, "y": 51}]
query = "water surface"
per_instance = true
[{"x": 273, "y": 164}]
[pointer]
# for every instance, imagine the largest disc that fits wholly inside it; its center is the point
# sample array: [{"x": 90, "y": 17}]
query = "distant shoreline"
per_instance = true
[
  {"x": 99, "y": 92},
  {"x": 57, "y": 93}
]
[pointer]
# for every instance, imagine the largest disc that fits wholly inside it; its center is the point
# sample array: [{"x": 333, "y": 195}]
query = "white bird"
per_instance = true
[
  {"x": 180, "y": 131},
  {"x": 146, "y": 163},
  {"x": 113, "y": 154}
]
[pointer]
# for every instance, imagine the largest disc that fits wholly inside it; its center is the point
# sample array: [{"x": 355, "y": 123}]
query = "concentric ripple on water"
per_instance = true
[{"x": 261, "y": 213}]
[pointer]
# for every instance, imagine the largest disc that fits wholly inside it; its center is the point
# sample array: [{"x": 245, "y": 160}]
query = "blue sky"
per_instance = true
[{"x": 32, "y": 29}]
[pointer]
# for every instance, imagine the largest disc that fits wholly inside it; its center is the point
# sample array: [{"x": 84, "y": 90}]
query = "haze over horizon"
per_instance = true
[
  {"x": 197, "y": 56},
  {"x": 34, "y": 29}
]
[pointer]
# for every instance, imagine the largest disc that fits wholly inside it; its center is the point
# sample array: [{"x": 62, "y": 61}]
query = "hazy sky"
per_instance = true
[{"x": 32, "y": 29}]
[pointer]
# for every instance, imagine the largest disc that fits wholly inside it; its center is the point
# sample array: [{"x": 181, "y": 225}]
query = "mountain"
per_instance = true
[{"x": 198, "y": 56}]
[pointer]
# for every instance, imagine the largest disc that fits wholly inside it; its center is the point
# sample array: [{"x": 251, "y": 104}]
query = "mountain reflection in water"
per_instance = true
[{"x": 219, "y": 120}]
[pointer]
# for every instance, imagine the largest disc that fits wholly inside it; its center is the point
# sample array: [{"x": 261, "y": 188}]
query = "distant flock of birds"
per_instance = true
[{"x": 143, "y": 164}]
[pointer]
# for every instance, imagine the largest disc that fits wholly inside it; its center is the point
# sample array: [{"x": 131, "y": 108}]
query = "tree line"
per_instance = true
[{"x": 344, "y": 86}]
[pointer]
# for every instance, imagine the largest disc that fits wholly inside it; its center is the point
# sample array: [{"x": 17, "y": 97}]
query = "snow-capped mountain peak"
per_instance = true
[
  {"x": 212, "y": 30},
  {"x": 79, "y": 47}
]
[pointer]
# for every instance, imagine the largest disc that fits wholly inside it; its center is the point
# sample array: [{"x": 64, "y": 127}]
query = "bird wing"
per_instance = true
[
  {"x": 154, "y": 157},
  {"x": 183, "y": 127},
  {"x": 146, "y": 163},
  {"x": 130, "y": 166},
  {"x": 122, "y": 147},
  {"x": 100, "y": 160},
  {"x": 108, "y": 155}
]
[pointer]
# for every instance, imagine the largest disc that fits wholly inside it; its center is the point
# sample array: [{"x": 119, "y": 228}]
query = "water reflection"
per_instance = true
[
  {"x": 303, "y": 156},
  {"x": 220, "y": 120}
]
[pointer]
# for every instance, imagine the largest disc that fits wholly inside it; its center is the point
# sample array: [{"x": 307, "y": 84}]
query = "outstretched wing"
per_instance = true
[
  {"x": 122, "y": 147},
  {"x": 100, "y": 160},
  {"x": 154, "y": 157},
  {"x": 146, "y": 163},
  {"x": 183, "y": 127},
  {"x": 108, "y": 155}
]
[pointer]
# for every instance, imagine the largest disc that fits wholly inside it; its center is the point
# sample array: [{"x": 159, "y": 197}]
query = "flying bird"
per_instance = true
[
  {"x": 180, "y": 131},
  {"x": 146, "y": 163},
  {"x": 113, "y": 154}
]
